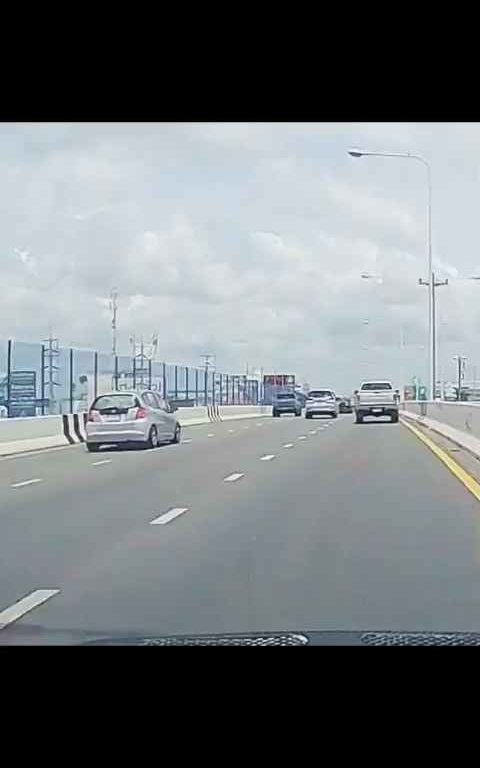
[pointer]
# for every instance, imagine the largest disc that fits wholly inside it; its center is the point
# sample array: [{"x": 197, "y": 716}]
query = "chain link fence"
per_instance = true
[{"x": 47, "y": 379}]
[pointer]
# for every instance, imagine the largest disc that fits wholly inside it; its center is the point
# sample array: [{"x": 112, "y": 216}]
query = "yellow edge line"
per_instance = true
[{"x": 452, "y": 465}]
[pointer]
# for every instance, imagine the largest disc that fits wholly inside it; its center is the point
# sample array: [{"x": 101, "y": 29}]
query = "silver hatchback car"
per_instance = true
[{"x": 131, "y": 417}]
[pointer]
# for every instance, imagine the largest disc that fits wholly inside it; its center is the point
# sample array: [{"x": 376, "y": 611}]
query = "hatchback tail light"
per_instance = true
[
  {"x": 93, "y": 415},
  {"x": 141, "y": 413}
]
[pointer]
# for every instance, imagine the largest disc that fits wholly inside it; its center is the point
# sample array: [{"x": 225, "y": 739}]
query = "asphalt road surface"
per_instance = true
[{"x": 260, "y": 524}]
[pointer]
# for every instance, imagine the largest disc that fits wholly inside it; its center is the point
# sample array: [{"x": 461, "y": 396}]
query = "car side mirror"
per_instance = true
[{"x": 172, "y": 408}]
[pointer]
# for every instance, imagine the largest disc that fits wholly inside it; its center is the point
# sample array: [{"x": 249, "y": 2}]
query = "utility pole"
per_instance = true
[
  {"x": 435, "y": 284},
  {"x": 460, "y": 360},
  {"x": 114, "y": 308}
]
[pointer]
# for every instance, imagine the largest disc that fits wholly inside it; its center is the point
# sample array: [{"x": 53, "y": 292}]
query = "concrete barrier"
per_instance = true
[
  {"x": 191, "y": 416},
  {"x": 212, "y": 413},
  {"x": 38, "y": 432},
  {"x": 229, "y": 412},
  {"x": 459, "y": 422}
]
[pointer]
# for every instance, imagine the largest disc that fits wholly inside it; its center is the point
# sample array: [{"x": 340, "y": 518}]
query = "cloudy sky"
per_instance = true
[{"x": 246, "y": 240}]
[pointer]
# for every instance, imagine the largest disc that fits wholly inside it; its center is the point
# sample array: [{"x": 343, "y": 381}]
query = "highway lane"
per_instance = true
[
  {"x": 81, "y": 509},
  {"x": 354, "y": 527}
]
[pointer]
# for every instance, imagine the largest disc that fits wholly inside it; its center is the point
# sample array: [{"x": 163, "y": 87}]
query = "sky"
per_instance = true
[{"x": 246, "y": 241}]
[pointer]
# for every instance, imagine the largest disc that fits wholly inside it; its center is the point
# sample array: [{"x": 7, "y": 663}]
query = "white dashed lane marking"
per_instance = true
[
  {"x": 231, "y": 430},
  {"x": 302, "y": 437},
  {"x": 246, "y": 426},
  {"x": 288, "y": 445},
  {"x": 27, "y": 482},
  {"x": 99, "y": 463},
  {"x": 25, "y": 605},
  {"x": 313, "y": 432},
  {"x": 167, "y": 517},
  {"x": 212, "y": 434},
  {"x": 232, "y": 478},
  {"x": 188, "y": 440},
  {"x": 268, "y": 457}
]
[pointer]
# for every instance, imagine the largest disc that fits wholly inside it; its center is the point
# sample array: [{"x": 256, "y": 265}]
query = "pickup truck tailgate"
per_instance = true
[{"x": 380, "y": 397}]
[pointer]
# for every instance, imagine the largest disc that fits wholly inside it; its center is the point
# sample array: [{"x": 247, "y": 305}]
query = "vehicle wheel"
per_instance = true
[
  {"x": 176, "y": 436},
  {"x": 358, "y": 419},
  {"x": 152, "y": 441},
  {"x": 308, "y": 415},
  {"x": 275, "y": 415},
  {"x": 394, "y": 418},
  {"x": 298, "y": 413},
  {"x": 93, "y": 447},
  {"x": 334, "y": 415}
]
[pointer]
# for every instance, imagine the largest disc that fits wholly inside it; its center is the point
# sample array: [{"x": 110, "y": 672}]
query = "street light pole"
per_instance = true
[
  {"x": 434, "y": 284},
  {"x": 431, "y": 339},
  {"x": 460, "y": 366}
]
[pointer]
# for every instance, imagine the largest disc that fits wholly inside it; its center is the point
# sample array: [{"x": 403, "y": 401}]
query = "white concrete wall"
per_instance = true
[
  {"x": 462, "y": 416},
  {"x": 20, "y": 435}
]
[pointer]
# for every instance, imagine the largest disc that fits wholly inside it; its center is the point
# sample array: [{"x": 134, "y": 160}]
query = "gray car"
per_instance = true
[
  {"x": 131, "y": 417},
  {"x": 286, "y": 402}
]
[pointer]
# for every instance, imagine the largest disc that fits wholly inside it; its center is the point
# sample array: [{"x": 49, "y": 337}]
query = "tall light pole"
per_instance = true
[
  {"x": 431, "y": 339},
  {"x": 434, "y": 285},
  {"x": 114, "y": 309},
  {"x": 460, "y": 360}
]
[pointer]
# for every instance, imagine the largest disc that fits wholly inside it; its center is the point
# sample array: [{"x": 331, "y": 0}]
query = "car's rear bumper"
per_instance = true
[
  {"x": 321, "y": 411},
  {"x": 116, "y": 433},
  {"x": 376, "y": 410},
  {"x": 290, "y": 409}
]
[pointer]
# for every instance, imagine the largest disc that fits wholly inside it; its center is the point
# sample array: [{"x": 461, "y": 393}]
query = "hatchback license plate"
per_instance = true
[
  {"x": 112, "y": 417},
  {"x": 377, "y": 410}
]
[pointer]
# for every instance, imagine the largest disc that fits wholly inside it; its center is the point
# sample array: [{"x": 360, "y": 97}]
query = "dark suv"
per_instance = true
[{"x": 286, "y": 402}]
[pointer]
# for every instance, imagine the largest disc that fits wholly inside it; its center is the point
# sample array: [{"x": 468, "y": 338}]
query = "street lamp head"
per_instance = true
[{"x": 355, "y": 152}]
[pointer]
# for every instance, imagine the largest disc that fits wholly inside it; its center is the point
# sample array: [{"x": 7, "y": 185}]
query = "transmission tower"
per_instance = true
[{"x": 51, "y": 368}]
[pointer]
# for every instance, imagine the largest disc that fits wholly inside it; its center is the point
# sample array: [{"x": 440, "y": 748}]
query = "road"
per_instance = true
[{"x": 343, "y": 527}]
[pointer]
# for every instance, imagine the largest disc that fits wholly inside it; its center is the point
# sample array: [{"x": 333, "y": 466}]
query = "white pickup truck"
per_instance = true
[{"x": 376, "y": 398}]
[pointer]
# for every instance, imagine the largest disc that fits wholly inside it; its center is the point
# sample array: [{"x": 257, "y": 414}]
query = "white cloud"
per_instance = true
[{"x": 257, "y": 232}]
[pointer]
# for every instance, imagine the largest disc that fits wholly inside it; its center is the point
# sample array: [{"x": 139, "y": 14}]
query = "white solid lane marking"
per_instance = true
[
  {"x": 26, "y": 604},
  {"x": 188, "y": 440},
  {"x": 27, "y": 482},
  {"x": 212, "y": 434},
  {"x": 233, "y": 478},
  {"x": 288, "y": 445},
  {"x": 99, "y": 463},
  {"x": 168, "y": 516},
  {"x": 268, "y": 457},
  {"x": 302, "y": 437}
]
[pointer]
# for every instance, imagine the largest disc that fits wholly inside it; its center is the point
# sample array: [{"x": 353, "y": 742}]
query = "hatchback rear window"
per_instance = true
[
  {"x": 105, "y": 402},
  {"x": 373, "y": 386},
  {"x": 320, "y": 393},
  {"x": 285, "y": 396}
]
